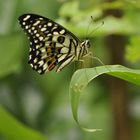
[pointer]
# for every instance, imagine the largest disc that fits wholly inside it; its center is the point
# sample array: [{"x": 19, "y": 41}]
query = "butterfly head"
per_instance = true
[{"x": 85, "y": 45}]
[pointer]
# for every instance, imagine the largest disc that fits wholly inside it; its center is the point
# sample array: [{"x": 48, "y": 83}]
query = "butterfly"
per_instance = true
[{"x": 51, "y": 45}]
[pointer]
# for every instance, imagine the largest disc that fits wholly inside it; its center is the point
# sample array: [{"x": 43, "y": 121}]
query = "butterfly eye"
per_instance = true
[{"x": 87, "y": 43}]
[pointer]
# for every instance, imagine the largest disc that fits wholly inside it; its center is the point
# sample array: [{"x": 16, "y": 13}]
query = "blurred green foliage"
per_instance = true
[
  {"x": 132, "y": 50},
  {"x": 34, "y": 106},
  {"x": 8, "y": 124}
]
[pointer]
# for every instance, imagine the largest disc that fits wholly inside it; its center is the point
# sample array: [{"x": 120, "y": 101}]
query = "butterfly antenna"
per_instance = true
[
  {"x": 102, "y": 23},
  {"x": 88, "y": 29}
]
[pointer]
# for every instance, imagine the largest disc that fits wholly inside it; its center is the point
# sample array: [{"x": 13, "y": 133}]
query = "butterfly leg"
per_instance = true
[{"x": 90, "y": 54}]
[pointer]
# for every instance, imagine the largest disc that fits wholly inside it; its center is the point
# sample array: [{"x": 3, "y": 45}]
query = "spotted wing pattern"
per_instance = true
[{"x": 51, "y": 44}]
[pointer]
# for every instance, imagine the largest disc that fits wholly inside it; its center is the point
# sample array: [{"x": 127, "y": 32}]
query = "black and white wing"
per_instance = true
[{"x": 51, "y": 44}]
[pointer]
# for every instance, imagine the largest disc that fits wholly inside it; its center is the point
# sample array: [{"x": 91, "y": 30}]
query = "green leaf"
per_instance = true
[
  {"x": 81, "y": 78},
  {"x": 12, "y": 129}
]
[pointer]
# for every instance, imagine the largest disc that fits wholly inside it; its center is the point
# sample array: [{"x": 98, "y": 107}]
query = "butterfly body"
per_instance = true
[{"x": 51, "y": 45}]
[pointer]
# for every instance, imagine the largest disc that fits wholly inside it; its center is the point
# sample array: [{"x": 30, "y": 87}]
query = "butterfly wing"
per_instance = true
[{"x": 51, "y": 44}]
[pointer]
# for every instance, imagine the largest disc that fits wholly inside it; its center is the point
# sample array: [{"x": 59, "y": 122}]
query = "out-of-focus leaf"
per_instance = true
[
  {"x": 69, "y": 9},
  {"x": 118, "y": 26},
  {"x": 48, "y": 8},
  {"x": 7, "y": 14},
  {"x": 10, "y": 54},
  {"x": 83, "y": 77},
  {"x": 12, "y": 129},
  {"x": 133, "y": 49}
]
